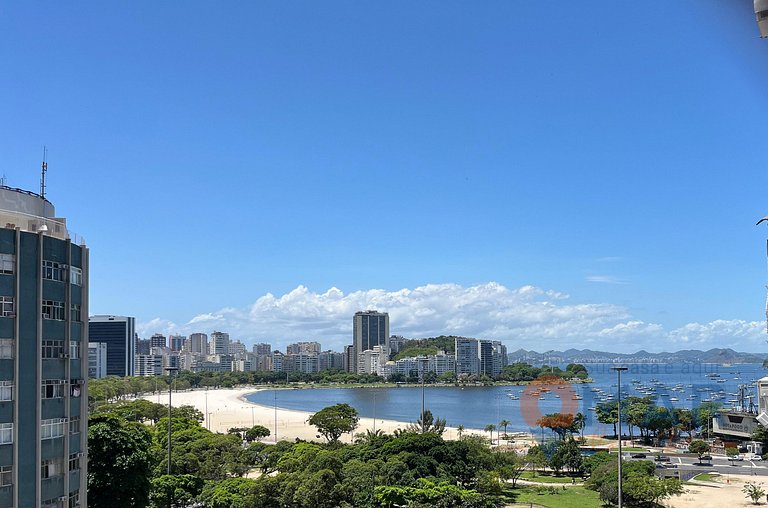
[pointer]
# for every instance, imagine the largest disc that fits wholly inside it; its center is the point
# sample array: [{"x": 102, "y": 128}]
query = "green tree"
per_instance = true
[
  {"x": 119, "y": 463},
  {"x": 490, "y": 428},
  {"x": 430, "y": 424},
  {"x": 505, "y": 424},
  {"x": 699, "y": 447},
  {"x": 174, "y": 490},
  {"x": 333, "y": 421},
  {"x": 256, "y": 433},
  {"x": 568, "y": 456},
  {"x": 608, "y": 412},
  {"x": 229, "y": 493},
  {"x": 460, "y": 430}
]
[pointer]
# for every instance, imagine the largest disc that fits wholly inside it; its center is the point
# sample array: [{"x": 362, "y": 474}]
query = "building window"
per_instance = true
[
  {"x": 74, "y": 499},
  {"x": 52, "y": 503},
  {"x": 75, "y": 387},
  {"x": 53, "y": 270},
  {"x": 53, "y": 348},
  {"x": 76, "y": 276},
  {"x": 6, "y": 306},
  {"x": 7, "y": 263},
  {"x": 6, "y": 433},
  {"x": 75, "y": 314},
  {"x": 53, "y": 310},
  {"x": 6, "y": 476},
  {"x": 50, "y": 468},
  {"x": 7, "y": 347},
  {"x": 74, "y": 350},
  {"x": 6, "y": 390},
  {"x": 52, "y": 389},
  {"x": 74, "y": 425},
  {"x": 74, "y": 462},
  {"x": 52, "y": 428}
]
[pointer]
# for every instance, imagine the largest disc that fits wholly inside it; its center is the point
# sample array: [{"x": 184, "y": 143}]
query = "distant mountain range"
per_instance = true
[{"x": 717, "y": 355}]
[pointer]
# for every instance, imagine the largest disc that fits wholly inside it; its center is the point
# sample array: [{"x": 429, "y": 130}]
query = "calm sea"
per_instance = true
[{"x": 674, "y": 385}]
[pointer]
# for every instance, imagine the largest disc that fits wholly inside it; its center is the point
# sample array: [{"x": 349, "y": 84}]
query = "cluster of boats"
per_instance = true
[{"x": 657, "y": 389}]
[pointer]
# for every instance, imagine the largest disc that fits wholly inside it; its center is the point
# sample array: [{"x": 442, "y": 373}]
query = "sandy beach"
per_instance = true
[{"x": 227, "y": 408}]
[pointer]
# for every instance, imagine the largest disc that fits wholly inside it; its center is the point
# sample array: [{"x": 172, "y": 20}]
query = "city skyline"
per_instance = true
[{"x": 507, "y": 171}]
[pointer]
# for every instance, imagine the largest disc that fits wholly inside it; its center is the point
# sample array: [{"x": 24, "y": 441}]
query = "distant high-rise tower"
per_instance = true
[
  {"x": 158, "y": 340},
  {"x": 43, "y": 355},
  {"x": 197, "y": 343},
  {"x": 176, "y": 342},
  {"x": 369, "y": 329},
  {"x": 219, "y": 344},
  {"x": 118, "y": 333}
]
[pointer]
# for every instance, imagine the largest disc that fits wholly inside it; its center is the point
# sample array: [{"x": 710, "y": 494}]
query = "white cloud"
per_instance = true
[
  {"x": 605, "y": 279},
  {"x": 527, "y": 317}
]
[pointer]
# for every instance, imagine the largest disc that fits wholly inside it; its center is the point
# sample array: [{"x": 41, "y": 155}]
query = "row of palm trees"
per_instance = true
[{"x": 491, "y": 428}]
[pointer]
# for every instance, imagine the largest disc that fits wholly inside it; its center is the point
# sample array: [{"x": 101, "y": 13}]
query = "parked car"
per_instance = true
[
  {"x": 706, "y": 457},
  {"x": 638, "y": 455},
  {"x": 661, "y": 458}
]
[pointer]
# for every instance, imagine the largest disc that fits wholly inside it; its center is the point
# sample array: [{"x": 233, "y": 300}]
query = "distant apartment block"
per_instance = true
[
  {"x": 219, "y": 344},
  {"x": 149, "y": 365},
  {"x": 158, "y": 340},
  {"x": 197, "y": 343},
  {"x": 480, "y": 357},
  {"x": 97, "y": 360},
  {"x": 303, "y": 347},
  {"x": 330, "y": 360},
  {"x": 176, "y": 342},
  {"x": 118, "y": 333},
  {"x": 262, "y": 349}
]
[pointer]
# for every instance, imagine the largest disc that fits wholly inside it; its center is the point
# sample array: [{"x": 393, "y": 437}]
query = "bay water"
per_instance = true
[{"x": 673, "y": 385}]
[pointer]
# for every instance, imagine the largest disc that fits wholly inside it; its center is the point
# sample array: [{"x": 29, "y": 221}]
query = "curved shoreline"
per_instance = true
[{"x": 228, "y": 408}]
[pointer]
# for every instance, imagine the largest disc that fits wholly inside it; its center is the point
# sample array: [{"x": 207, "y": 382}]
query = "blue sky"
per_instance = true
[{"x": 554, "y": 175}]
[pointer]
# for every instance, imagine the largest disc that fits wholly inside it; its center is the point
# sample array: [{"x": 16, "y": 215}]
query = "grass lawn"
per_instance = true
[
  {"x": 546, "y": 478},
  {"x": 704, "y": 477},
  {"x": 554, "y": 497}
]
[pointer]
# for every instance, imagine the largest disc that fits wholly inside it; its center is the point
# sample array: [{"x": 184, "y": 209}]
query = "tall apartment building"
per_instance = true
[
  {"x": 197, "y": 343},
  {"x": 219, "y": 344},
  {"x": 158, "y": 340},
  {"x": 43, "y": 355},
  {"x": 303, "y": 347},
  {"x": 97, "y": 360},
  {"x": 330, "y": 360},
  {"x": 369, "y": 328},
  {"x": 176, "y": 342},
  {"x": 142, "y": 346},
  {"x": 236, "y": 348},
  {"x": 467, "y": 357},
  {"x": 118, "y": 333},
  {"x": 480, "y": 357},
  {"x": 262, "y": 349}
]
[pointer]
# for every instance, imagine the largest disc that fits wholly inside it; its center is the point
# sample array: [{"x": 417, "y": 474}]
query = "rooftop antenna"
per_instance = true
[{"x": 44, "y": 170}]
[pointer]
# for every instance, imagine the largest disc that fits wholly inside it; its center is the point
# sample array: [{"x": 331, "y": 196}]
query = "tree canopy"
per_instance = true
[{"x": 333, "y": 421}]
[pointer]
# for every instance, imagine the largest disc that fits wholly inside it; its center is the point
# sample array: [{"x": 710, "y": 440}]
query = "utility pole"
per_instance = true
[
  {"x": 618, "y": 372},
  {"x": 170, "y": 370}
]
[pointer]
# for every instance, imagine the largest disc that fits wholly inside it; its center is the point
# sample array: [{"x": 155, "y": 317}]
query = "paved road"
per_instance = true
[{"x": 719, "y": 464}]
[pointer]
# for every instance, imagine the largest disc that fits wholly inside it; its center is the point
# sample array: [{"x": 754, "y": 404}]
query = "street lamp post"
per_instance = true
[
  {"x": 170, "y": 370},
  {"x": 275, "y": 395},
  {"x": 618, "y": 372}
]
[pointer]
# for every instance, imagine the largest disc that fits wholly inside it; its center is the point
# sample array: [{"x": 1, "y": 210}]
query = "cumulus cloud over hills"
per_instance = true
[{"x": 528, "y": 317}]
